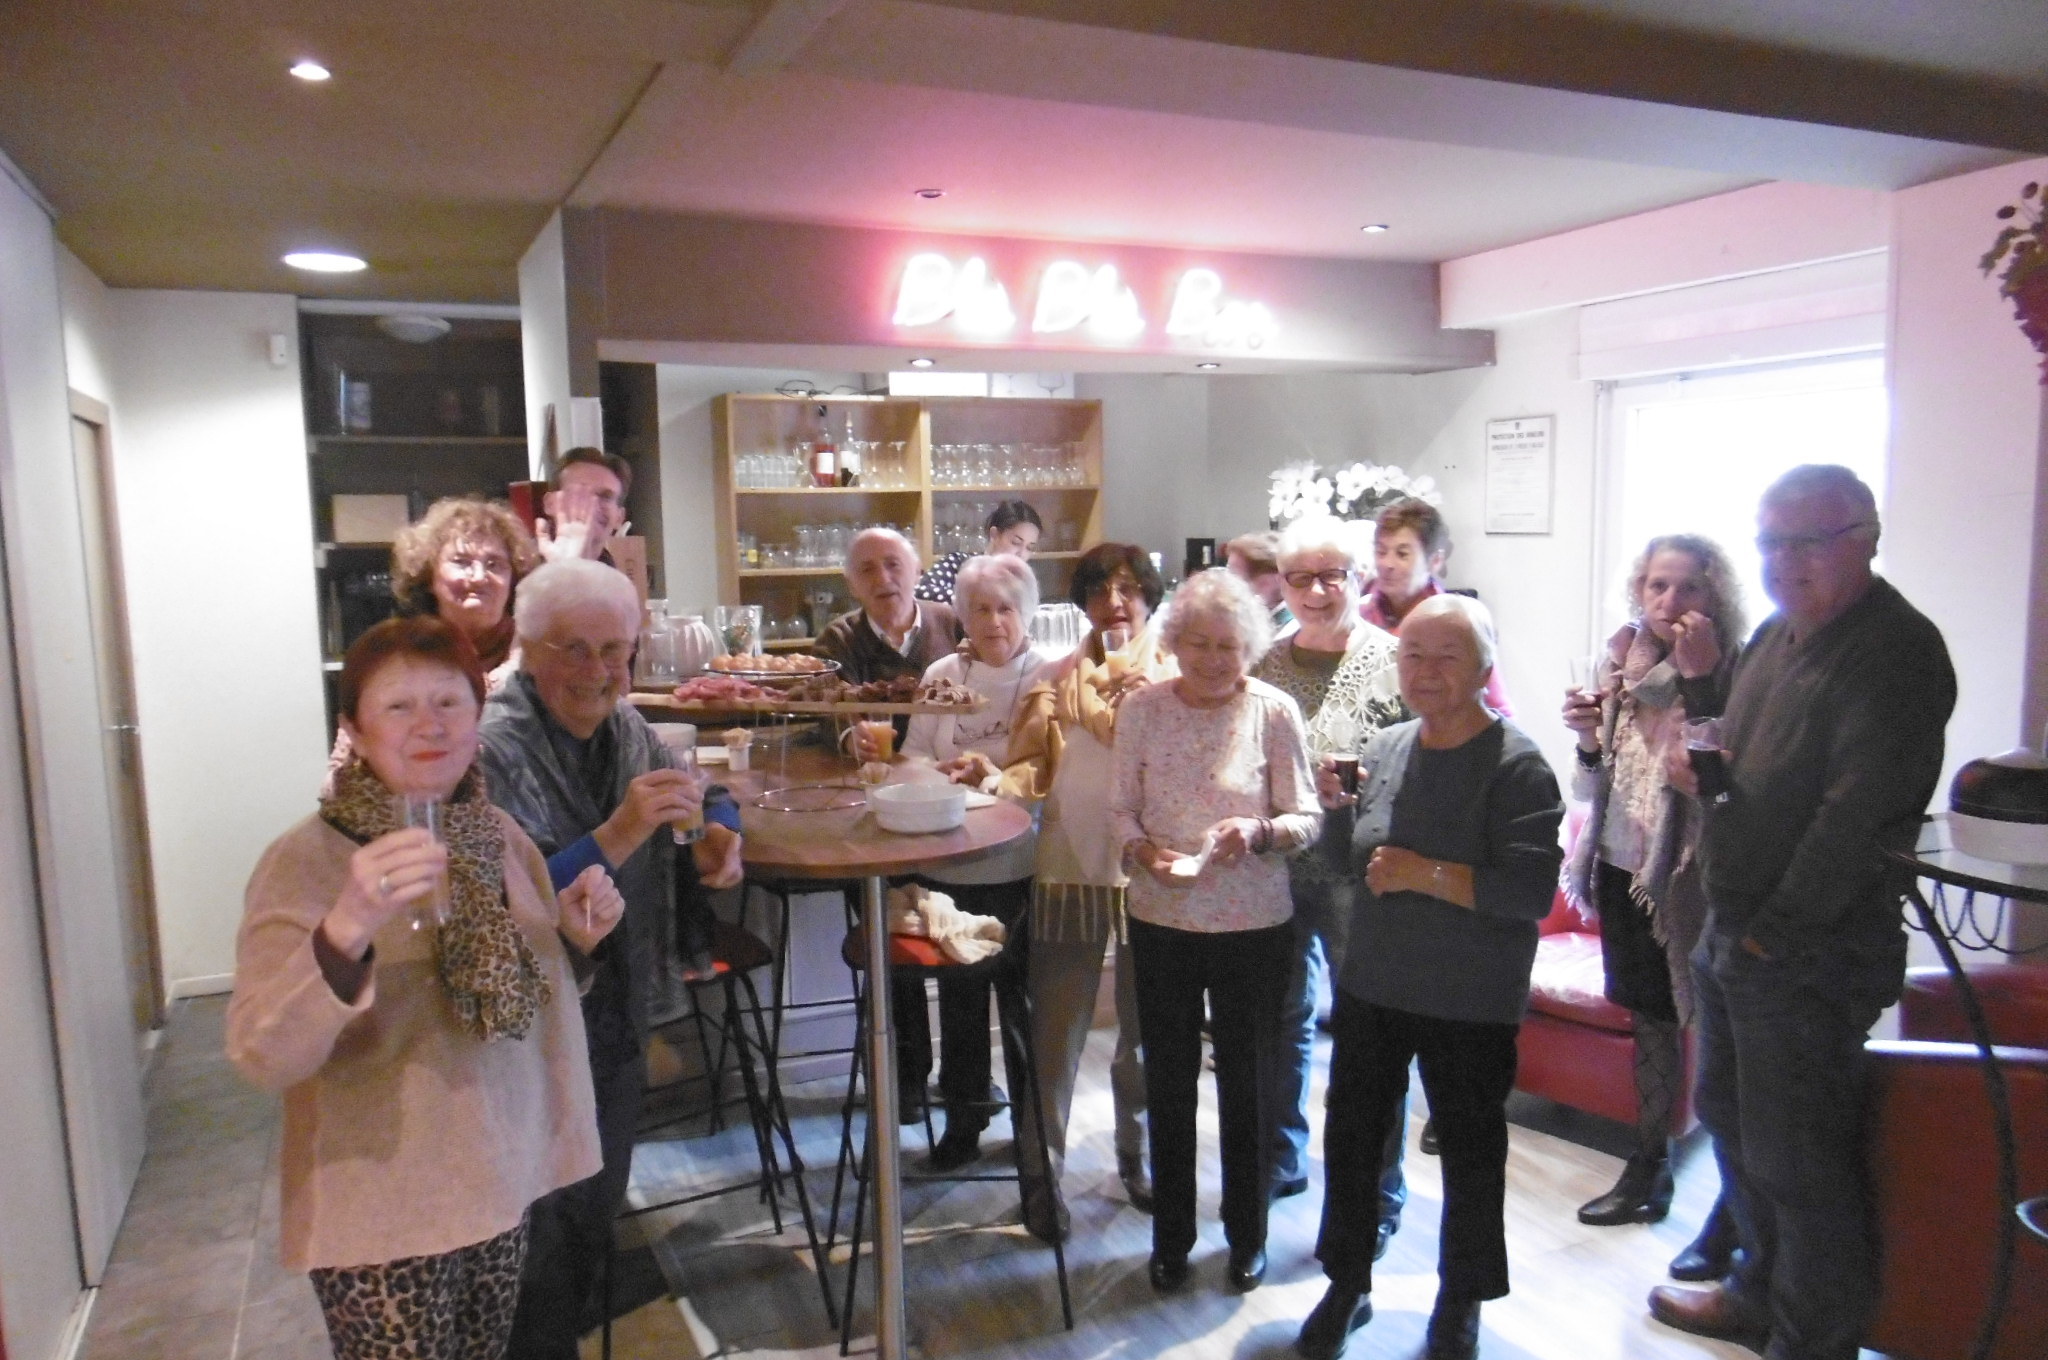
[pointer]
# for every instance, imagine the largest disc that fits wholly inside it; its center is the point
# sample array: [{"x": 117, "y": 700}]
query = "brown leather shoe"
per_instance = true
[{"x": 1712, "y": 1311}]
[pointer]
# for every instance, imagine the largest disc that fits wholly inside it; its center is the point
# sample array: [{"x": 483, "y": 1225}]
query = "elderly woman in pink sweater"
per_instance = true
[
  {"x": 413, "y": 998},
  {"x": 1211, "y": 790}
]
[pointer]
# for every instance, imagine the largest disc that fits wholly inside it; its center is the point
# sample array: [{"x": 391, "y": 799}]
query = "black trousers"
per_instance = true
[
  {"x": 1468, "y": 1068},
  {"x": 964, "y": 1055},
  {"x": 569, "y": 1232},
  {"x": 1243, "y": 974}
]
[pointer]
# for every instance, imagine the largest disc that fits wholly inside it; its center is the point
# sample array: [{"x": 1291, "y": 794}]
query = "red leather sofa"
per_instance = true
[
  {"x": 1575, "y": 1046},
  {"x": 1934, "y": 1166}
]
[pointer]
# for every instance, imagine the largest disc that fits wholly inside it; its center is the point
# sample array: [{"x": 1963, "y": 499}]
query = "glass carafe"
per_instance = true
[{"x": 655, "y": 664}]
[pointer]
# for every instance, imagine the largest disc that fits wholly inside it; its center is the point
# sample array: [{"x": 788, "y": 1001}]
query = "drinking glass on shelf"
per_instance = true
[
  {"x": 424, "y": 812},
  {"x": 899, "y": 464}
]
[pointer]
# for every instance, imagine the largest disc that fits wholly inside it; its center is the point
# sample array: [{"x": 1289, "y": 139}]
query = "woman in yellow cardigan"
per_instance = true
[{"x": 1060, "y": 753}]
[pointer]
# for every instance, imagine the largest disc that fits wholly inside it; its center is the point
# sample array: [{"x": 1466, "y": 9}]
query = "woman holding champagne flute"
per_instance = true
[
  {"x": 995, "y": 597},
  {"x": 433, "y": 1075},
  {"x": 1060, "y": 758},
  {"x": 1634, "y": 860}
]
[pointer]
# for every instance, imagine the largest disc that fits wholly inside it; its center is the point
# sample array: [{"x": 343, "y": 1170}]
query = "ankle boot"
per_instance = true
[
  {"x": 1641, "y": 1195},
  {"x": 1712, "y": 1254},
  {"x": 1130, "y": 1169}
]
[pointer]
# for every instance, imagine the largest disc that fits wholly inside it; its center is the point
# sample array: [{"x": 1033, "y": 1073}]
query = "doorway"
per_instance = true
[{"x": 120, "y": 733}]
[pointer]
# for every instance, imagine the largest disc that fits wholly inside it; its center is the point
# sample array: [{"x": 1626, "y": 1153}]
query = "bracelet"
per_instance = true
[
  {"x": 1264, "y": 842},
  {"x": 1589, "y": 759}
]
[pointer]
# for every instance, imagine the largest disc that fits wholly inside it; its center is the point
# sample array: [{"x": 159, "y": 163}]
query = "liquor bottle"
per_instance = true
[
  {"x": 824, "y": 458},
  {"x": 849, "y": 456}
]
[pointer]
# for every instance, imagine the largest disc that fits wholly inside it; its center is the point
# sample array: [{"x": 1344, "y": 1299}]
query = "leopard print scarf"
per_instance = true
[{"x": 489, "y": 971}]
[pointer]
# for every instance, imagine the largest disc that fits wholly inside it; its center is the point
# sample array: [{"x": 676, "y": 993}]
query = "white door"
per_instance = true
[{"x": 122, "y": 743}]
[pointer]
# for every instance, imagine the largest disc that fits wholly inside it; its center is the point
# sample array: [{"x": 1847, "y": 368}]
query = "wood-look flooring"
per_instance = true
[{"x": 194, "y": 1275}]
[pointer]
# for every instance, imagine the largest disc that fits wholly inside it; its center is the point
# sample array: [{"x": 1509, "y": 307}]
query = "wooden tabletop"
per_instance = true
[{"x": 848, "y": 843}]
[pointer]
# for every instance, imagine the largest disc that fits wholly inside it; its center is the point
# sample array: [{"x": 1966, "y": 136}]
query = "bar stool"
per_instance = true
[
  {"x": 736, "y": 955},
  {"x": 919, "y": 958}
]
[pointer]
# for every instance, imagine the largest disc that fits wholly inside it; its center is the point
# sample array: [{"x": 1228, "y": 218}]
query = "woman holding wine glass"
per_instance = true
[
  {"x": 1634, "y": 860},
  {"x": 995, "y": 598},
  {"x": 433, "y": 1074},
  {"x": 1059, "y": 758}
]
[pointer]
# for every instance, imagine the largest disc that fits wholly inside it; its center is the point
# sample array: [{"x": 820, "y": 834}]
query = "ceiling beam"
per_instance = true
[{"x": 781, "y": 31}]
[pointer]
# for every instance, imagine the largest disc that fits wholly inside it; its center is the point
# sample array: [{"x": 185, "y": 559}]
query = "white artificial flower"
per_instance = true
[{"x": 1351, "y": 481}]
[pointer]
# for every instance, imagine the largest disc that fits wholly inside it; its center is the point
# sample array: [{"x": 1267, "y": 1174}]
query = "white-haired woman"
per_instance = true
[
  {"x": 1453, "y": 848},
  {"x": 1634, "y": 864},
  {"x": 995, "y": 597},
  {"x": 1211, "y": 788},
  {"x": 1327, "y": 643}
]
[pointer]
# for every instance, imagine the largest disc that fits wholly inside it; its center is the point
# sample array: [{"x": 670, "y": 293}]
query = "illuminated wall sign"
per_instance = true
[
  {"x": 933, "y": 289},
  {"x": 1073, "y": 297},
  {"x": 1200, "y": 311}
]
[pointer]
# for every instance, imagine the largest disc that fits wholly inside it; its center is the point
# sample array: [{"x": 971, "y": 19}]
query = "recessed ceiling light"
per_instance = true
[
  {"x": 1373, "y": 228},
  {"x": 1208, "y": 363},
  {"x": 931, "y": 193},
  {"x": 921, "y": 362},
  {"x": 310, "y": 70},
  {"x": 324, "y": 262}
]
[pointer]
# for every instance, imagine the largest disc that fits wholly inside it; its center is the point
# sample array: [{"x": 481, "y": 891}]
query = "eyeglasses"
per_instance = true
[
  {"x": 1769, "y": 545},
  {"x": 1333, "y": 579},
  {"x": 612, "y": 654},
  {"x": 479, "y": 564}
]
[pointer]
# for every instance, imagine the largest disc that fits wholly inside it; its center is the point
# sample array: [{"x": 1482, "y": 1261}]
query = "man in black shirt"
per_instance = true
[{"x": 1833, "y": 738}]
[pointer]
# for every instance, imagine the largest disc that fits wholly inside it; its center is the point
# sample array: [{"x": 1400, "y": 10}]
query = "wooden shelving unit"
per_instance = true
[{"x": 747, "y": 425}]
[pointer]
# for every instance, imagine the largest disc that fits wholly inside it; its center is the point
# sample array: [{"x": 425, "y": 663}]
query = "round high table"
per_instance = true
[{"x": 847, "y": 843}]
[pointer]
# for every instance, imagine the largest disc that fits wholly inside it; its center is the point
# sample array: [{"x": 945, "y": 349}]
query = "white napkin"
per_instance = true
[{"x": 962, "y": 936}]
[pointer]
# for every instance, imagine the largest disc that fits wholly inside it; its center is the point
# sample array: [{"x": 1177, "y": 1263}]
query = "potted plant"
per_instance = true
[{"x": 2019, "y": 256}]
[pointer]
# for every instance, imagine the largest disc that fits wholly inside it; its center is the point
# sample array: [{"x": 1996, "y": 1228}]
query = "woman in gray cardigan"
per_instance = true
[{"x": 1454, "y": 840}]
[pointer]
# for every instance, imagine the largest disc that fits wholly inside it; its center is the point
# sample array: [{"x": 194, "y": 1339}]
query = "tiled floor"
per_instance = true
[{"x": 194, "y": 1273}]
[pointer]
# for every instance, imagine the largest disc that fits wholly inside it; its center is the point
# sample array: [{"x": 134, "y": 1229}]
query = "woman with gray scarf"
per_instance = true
[{"x": 1634, "y": 861}]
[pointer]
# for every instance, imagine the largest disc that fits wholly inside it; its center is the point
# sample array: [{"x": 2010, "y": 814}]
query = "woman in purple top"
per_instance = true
[{"x": 1210, "y": 790}]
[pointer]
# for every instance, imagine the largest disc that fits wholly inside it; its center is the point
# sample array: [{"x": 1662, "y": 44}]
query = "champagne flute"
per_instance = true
[{"x": 425, "y": 812}]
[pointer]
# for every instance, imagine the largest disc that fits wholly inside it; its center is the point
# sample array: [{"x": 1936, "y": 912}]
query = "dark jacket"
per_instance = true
[
  {"x": 1835, "y": 746},
  {"x": 532, "y": 772},
  {"x": 862, "y": 656}
]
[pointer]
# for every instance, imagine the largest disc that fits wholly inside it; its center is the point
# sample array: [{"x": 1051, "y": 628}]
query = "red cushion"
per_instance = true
[
  {"x": 1569, "y": 981},
  {"x": 909, "y": 951},
  {"x": 2014, "y": 997}
]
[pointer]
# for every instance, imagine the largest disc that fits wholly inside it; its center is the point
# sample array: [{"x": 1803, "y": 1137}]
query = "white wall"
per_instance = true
[
  {"x": 41, "y": 1272},
  {"x": 217, "y": 539},
  {"x": 1960, "y": 535},
  {"x": 1538, "y": 586},
  {"x": 544, "y": 335},
  {"x": 1156, "y": 484}
]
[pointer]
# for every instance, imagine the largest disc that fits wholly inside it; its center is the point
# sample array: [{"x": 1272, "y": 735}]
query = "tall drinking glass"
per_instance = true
[{"x": 424, "y": 812}]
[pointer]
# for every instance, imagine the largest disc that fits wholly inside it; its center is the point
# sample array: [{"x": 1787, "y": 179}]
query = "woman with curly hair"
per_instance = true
[
  {"x": 462, "y": 561},
  {"x": 1635, "y": 859}
]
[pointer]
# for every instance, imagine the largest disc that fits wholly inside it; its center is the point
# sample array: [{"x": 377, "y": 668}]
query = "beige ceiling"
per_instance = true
[{"x": 177, "y": 152}]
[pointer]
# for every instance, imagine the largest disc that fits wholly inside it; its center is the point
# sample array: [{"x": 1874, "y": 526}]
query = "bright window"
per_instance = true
[{"x": 1694, "y": 454}]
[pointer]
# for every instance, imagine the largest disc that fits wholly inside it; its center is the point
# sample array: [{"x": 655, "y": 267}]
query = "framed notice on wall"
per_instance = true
[{"x": 1518, "y": 474}]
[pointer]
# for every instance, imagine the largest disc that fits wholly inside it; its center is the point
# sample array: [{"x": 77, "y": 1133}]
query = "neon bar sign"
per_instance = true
[{"x": 1073, "y": 298}]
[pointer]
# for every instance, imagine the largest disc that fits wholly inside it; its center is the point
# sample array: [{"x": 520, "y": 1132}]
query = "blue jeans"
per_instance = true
[{"x": 1782, "y": 1087}]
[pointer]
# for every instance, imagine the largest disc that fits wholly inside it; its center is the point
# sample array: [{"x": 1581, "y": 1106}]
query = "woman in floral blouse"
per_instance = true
[{"x": 1210, "y": 790}]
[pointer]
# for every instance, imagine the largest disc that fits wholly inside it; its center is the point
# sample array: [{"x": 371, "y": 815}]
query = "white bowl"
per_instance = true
[
  {"x": 2004, "y": 842},
  {"x": 917, "y": 808}
]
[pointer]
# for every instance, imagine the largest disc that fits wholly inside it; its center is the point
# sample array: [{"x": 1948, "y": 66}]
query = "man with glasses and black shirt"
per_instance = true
[{"x": 1833, "y": 746}]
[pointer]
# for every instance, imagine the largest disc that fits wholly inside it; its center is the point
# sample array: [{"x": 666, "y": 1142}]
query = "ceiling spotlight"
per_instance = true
[
  {"x": 922, "y": 362},
  {"x": 930, "y": 193},
  {"x": 310, "y": 70},
  {"x": 324, "y": 262},
  {"x": 1373, "y": 228},
  {"x": 1208, "y": 363}
]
